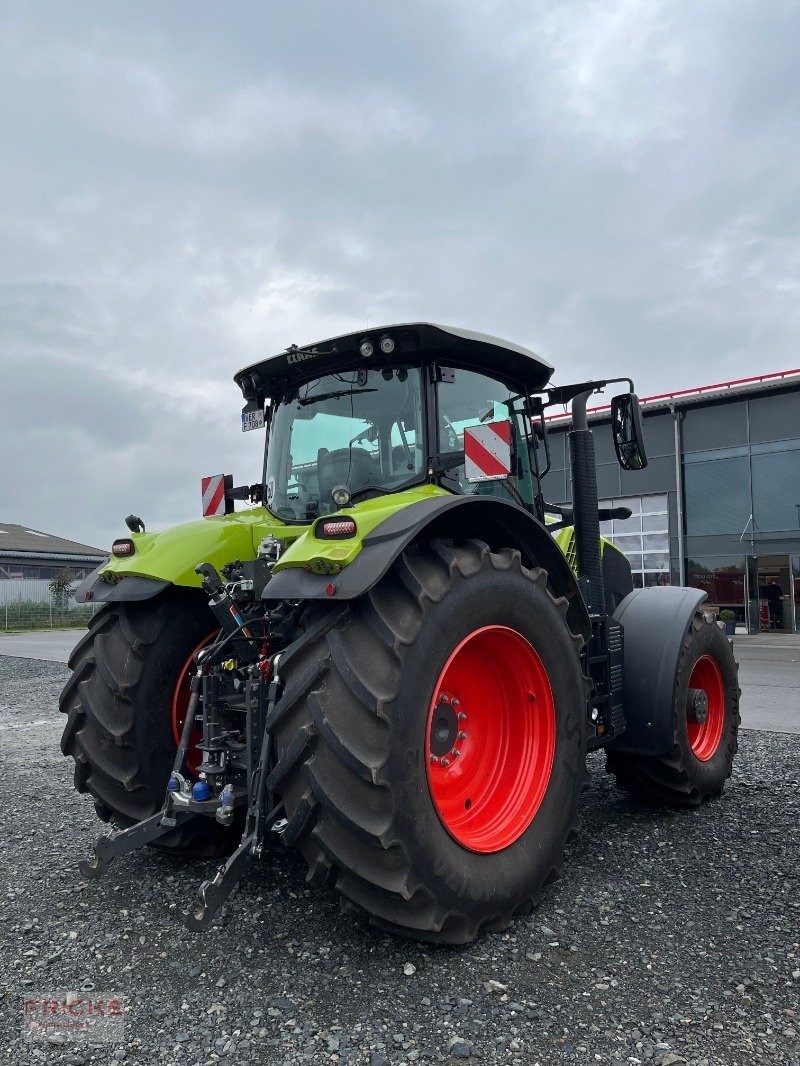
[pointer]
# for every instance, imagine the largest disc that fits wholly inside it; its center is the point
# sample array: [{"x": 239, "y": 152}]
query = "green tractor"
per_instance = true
[{"x": 397, "y": 660}]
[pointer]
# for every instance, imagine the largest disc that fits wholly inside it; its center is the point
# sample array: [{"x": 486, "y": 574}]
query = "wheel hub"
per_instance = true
[
  {"x": 697, "y": 705},
  {"x": 445, "y": 729}
]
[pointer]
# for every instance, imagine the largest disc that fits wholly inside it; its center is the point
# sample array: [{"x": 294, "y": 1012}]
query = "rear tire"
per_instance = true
[
  {"x": 353, "y": 739},
  {"x": 700, "y": 759},
  {"x": 118, "y": 703}
]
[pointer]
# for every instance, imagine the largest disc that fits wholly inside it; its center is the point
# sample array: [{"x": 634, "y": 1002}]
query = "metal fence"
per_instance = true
[{"x": 30, "y": 604}]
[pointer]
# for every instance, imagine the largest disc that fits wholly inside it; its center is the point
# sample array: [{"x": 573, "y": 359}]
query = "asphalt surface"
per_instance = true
[
  {"x": 769, "y": 671},
  {"x": 54, "y": 645},
  {"x": 769, "y": 676},
  {"x": 673, "y": 937}
]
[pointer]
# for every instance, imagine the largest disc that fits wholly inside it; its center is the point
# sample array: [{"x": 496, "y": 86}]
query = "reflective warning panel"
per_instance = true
[
  {"x": 213, "y": 489},
  {"x": 487, "y": 451}
]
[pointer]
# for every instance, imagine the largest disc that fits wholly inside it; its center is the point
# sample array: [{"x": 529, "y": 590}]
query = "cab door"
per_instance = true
[{"x": 469, "y": 400}]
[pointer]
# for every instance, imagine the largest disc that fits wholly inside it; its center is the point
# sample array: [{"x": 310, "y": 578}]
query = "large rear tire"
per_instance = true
[
  {"x": 129, "y": 672},
  {"x": 428, "y": 843},
  {"x": 705, "y": 726}
]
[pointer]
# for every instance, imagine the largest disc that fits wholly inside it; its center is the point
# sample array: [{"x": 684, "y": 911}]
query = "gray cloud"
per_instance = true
[{"x": 612, "y": 183}]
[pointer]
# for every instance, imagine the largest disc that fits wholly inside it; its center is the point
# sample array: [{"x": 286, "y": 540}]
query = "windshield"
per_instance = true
[{"x": 362, "y": 431}]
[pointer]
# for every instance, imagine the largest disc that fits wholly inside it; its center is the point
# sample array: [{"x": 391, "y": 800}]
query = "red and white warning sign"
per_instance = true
[
  {"x": 487, "y": 451},
  {"x": 214, "y": 502}
]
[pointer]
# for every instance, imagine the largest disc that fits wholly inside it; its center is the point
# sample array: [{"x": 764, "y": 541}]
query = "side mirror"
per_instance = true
[{"x": 626, "y": 426}]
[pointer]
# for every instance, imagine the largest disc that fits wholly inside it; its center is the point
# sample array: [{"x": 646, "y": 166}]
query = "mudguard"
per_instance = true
[
  {"x": 655, "y": 622},
  {"x": 169, "y": 557},
  {"x": 94, "y": 589},
  {"x": 500, "y": 523}
]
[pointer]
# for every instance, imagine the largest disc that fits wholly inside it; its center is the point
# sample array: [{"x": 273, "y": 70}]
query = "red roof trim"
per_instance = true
[{"x": 700, "y": 390}]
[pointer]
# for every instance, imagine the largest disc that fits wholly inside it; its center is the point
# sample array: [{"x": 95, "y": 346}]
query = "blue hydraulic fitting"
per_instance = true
[
  {"x": 174, "y": 784},
  {"x": 226, "y": 799},
  {"x": 201, "y": 790}
]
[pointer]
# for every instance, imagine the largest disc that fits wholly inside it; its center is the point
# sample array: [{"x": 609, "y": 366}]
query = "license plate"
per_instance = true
[{"x": 252, "y": 420}]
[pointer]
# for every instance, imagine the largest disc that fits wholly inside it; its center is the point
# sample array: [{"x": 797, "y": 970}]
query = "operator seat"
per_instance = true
[
  {"x": 353, "y": 467},
  {"x": 401, "y": 465}
]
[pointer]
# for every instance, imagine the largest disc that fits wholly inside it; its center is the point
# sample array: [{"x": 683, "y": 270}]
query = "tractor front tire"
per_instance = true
[
  {"x": 700, "y": 758},
  {"x": 431, "y": 742},
  {"x": 119, "y": 708}
]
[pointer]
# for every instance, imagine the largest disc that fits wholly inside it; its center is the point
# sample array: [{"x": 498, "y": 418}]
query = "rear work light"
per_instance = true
[
  {"x": 123, "y": 547},
  {"x": 336, "y": 528}
]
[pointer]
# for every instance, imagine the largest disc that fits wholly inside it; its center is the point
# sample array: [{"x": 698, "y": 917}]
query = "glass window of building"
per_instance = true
[
  {"x": 776, "y": 487},
  {"x": 643, "y": 538},
  {"x": 717, "y": 494},
  {"x": 723, "y": 579}
]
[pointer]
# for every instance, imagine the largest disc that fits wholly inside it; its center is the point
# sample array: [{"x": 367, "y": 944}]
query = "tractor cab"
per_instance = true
[{"x": 371, "y": 414}]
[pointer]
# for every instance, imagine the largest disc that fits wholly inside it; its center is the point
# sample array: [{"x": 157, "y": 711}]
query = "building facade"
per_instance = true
[
  {"x": 31, "y": 559},
  {"x": 718, "y": 505}
]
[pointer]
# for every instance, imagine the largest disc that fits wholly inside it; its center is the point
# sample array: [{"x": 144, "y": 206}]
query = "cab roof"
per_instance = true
[{"x": 458, "y": 348}]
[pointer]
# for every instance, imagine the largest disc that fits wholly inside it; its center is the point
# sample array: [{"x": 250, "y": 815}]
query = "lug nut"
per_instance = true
[
  {"x": 462, "y": 736},
  {"x": 444, "y": 762},
  {"x": 456, "y": 703},
  {"x": 461, "y": 716},
  {"x": 434, "y": 758},
  {"x": 444, "y": 699},
  {"x": 455, "y": 753}
]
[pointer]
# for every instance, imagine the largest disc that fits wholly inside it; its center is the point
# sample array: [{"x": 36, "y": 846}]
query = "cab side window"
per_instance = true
[{"x": 472, "y": 399}]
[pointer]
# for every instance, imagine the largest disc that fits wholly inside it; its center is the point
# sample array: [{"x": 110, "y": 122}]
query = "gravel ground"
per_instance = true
[{"x": 673, "y": 936}]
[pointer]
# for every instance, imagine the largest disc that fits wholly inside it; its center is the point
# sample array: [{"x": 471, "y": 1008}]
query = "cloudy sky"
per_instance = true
[{"x": 189, "y": 186}]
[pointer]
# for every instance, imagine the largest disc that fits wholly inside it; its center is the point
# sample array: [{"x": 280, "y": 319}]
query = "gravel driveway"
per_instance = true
[{"x": 673, "y": 937}]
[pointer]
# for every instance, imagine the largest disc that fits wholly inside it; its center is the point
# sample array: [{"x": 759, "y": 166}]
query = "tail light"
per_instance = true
[
  {"x": 121, "y": 548},
  {"x": 335, "y": 529}
]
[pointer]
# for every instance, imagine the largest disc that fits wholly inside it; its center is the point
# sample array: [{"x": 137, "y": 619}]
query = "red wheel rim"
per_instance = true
[
  {"x": 704, "y": 737},
  {"x": 490, "y": 739},
  {"x": 180, "y": 705}
]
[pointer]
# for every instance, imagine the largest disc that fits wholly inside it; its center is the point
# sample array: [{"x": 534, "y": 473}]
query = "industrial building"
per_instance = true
[
  {"x": 718, "y": 505},
  {"x": 30, "y": 559}
]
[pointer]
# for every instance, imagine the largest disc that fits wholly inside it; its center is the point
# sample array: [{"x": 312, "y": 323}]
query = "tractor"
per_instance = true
[{"x": 398, "y": 657}]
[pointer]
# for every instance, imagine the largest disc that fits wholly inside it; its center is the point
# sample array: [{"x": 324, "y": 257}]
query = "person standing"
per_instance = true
[{"x": 773, "y": 596}]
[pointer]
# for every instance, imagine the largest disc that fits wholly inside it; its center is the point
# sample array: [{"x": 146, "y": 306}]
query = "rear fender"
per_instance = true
[
  {"x": 655, "y": 622},
  {"x": 499, "y": 523}
]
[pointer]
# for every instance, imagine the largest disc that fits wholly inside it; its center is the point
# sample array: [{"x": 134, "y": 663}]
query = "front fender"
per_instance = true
[
  {"x": 169, "y": 557},
  {"x": 500, "y": 523}
]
